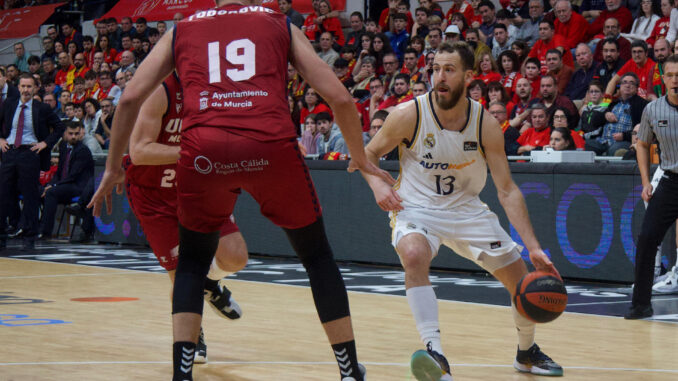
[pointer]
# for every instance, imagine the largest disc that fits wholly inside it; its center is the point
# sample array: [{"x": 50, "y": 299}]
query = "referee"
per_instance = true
[{"x": 660, "y": 118}]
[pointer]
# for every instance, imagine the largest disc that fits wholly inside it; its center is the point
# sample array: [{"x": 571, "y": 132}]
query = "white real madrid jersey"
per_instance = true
[{"x": 441, "y": 169}]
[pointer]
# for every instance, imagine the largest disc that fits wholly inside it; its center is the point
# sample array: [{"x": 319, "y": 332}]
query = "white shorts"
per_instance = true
[{"x": 470, "y": 230}]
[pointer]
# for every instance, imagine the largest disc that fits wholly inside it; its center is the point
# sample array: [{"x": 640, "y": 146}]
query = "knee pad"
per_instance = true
[
  {"x": 196, "y": 251},
  {"x": 327, "y": 285}
]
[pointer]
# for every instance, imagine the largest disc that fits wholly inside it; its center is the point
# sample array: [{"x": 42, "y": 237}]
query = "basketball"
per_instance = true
[{"x": 540, "y": 297}]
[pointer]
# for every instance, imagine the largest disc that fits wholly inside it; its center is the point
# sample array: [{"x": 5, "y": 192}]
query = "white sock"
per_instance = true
[
  {"x": 424, "y": 308},
  {"x": 216, "y": 273},
  {"x": 525, "y": 329}
]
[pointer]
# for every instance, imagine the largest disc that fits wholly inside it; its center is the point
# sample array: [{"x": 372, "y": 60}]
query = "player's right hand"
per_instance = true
[
  {"x": 111, "y": 179},
  {"x": 542, "y": 262},
  {"x": 647, "y": 192}
]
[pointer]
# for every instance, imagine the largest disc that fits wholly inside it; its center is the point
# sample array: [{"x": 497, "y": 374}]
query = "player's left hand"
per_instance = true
[
  {"x": 371, "y": 169},
  {"x": 111, "y": 179},
  {"x": 542, "y": 262}
]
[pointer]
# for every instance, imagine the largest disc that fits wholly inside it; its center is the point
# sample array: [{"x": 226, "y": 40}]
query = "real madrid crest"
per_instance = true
[{"x": 429, "y": 141}]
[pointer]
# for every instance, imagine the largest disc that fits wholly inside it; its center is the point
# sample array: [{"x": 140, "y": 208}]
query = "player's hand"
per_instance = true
[
  {"x": 647, "y": 192},
  {"x": 371, "y": 169},
  {"x": 387, "y": 198},
  {"x": 111, "y": 179},
  {"x": 541, "y": 262}
]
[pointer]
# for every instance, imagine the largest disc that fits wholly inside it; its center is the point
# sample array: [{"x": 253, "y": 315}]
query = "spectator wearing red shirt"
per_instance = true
[
  {"x": 486, "y": 69},
  {"x": 538, "y": 135},
  {"x": 549, "y": 40},
  {"x": 64, "y": 76},
  {"x": 69, "y": 33},
  {"x": 661, "y": 27},
  {"x": 497, "y": 93},
  {"x": 640, "y": 65},
  {"x": 509, "y": 68},
  {"x": 401, "y": 94},
  {"x": 611, "y": 30},
  {"x": 88, "y": 50},
  {"x": 312, "y": 105},
  {"x": 329, "y": 23},
  {"x": 521, "y": 111},
  {"x": 103, "y": 45},
  {"x": 533, "y": 74},
  {"x": 614, "y": 9},
  {"x": 569, "y": 24},
  {"x": 126, "y": 42},
  {"x": 465, "y": 8},
  {"x": 395, "y": 6}
]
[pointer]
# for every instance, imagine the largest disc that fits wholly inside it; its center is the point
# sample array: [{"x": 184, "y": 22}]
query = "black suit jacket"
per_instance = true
[
  {"x": 12, "y": 92},
  {"x": 47, "y": 126},
  {"x": 80, "y": 169}
]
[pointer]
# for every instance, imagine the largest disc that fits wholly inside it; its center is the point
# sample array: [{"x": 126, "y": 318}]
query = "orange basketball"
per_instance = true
[{"x": 540, "y": 297}]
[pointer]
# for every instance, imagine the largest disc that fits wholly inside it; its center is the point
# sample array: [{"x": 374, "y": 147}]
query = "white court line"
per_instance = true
[
  {"x": 59, "y": 275},
  {"x": 617, "y": 302},
  {"x": 405, "y": 365}
]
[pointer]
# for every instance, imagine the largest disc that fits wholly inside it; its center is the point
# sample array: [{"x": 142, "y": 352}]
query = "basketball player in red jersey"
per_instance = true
[
  {"x": 237, "y": 134},
  {"x": 151, "y": 191}
]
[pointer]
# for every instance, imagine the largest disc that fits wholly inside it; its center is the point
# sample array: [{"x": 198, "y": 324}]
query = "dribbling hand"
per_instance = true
[
  {"x": 111, "y": 179},
  {"x": 542, "y": 262}
]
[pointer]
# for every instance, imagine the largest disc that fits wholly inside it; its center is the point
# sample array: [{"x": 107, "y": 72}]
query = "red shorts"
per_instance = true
[
  {"x": 156, "y": 210},
  {"x": 215, "y": 165}
]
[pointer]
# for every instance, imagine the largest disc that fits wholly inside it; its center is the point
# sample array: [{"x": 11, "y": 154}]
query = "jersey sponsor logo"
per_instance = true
[
  {"x": 495, "y": 245},
  {"x": 178, "y": 106},
  {"x": 470, "y": 146},
  {"x": 662, "y": 123},
  {"x": 204, "y": 165},
  {"x": 428, "y": 156},
  {"x": 444, "y": 166},
  {"x": 429, "y": 141}
]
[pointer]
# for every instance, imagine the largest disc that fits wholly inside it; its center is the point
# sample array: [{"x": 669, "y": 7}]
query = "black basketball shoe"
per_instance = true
[
  {"x": 222, "y": 302},
  {"x": 201, "y": 349},
  {"x": 429, "y": 365},
  {"x": 535, "y": 361}
]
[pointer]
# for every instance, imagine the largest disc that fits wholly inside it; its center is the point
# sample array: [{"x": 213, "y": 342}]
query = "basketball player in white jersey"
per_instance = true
[{"x": 446, "y": 143}]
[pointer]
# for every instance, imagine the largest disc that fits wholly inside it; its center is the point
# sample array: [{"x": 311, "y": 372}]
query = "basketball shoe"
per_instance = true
[
  {"x": 201, "y": 349},
  {"x": 667, "y": 283},
  {"x": 363, "y": 371},
  {"x": 221, "y": 301},
  {"x": 429, "y": 365},
  {"x": 535, "y": 361}
]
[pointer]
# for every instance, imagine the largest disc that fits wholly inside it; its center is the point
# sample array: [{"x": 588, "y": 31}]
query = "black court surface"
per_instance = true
[{"x": 585, "y": 298}]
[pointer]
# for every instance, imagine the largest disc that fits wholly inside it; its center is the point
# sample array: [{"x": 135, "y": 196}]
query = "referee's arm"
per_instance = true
[{"x": 643, "y": 154}]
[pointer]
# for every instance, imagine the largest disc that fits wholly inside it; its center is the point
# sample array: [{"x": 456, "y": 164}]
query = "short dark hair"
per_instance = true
[
  {"x": 422, "y": 9},
  {"x": 141, "y": 20},
  {"x": 323, "y": 116},
  {"x": 410, "y": 50},
  {"x": 399, "y": 16},
  {"x": 28, "y": 76},
  {"x": 340, "y": 63},
  {"x": 78, "y": 81},
  {"x": 551, "y": 76},
  {"x": 671, "y": 59},
  {"x": 639, "y": 44},
  {"x": 33, "y": 60},
  {"x": 381, "y": 115},
  {"x": 87, "y": 38},
  {"x": 486, "y": 3},
  {"x": 533, "y": 60},
  {"x": 555, "y": 51},
  {"x": 356, "y": 13},
  {"x": 94, "y": 103},
  {"x": 504, "y": 14},
  {"x": 105, "y": 73},
  {"x": 153, "y": 32},
  {"x": 420, "y": 82},
  {"x": 632, "y": 75},
  {"x": 549, "y": 22},
  {"x": 500, "y": 26},
  {"x": 461, "y": 48},
  {"x": 73, "y": 124},
  {"x": 405, "y": 77},
  {"x": 90, "y": 75}
]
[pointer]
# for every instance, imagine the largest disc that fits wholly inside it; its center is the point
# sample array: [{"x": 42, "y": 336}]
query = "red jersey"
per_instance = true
[
  {"x": 642, "y": 72},
  {"x": 235, "y": 78},
  {"x": 162, "y": 176}
]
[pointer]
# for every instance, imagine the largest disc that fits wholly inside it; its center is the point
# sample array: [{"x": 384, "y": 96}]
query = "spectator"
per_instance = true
[
  {"x": 569, "y": 24},
  {"x": 400, "y": 93},
  {"x": 591, "y": 9},
  {"x": 399, "y": 38},
  {"x": 114, "y": 32},
  {"x": 611, "y": 62},
  {"x": 640, "y": 65},
  {"x": 529, "y": 30},
  {"x": 509, "y": 69},
  {"x": 538, "y": 134},
  {"x": 295, "y": 83},
  {"x": 452, "y": 33},
  {"x": 497, "y": 93},
  {"x": 502, "y": 41},
  {"x": 141, "y": 26},
  {"x": 52, "y": 33},
  {"x": 106, "y": 88},
  {"x": 593, "y": 112},
  {"x": 34, "y": 66},
  {"x": 102, "y": 29},
  {"x": 79, "y": 91},
  {"x": 127, "y": 28},
  {"x": 48, "y": 49},
  {"x": 177, "y": 17},
  {"x": 480, "y": 48},
  {"x": 357, "y": 29},
  {"x": 561, "y": 118},
  {"x": 375, "y": 125},
  {"x": 88, "y": 50},
  {"x": 326, "y": 52},
  {"x": 380, "y": 47},
  {"x": 419, "y": 88},
  {"x": 561, "y": 140},
  {"x": 103, "y": 130},
  {"x": 364, "y": 74},
  {"x": 58, "y": 48},
  {"x": 673, "y": 24},
  {"x": 661, "y": 27},
  {"x": 375, "y": 86},
  {"x": 420, "y": 27},
  {"x": 50, "y": 99},
  {"x": 69, "y": 109},
  {"x": 323, "y": 19},
  {"x": 127, "y": 61},
  {"x": 70, "y": 34},
  {"x": 655, "y": 83},
  {"x": 630, "y": 154},
  {"x": 532, "y": 73},
  {"x": 7, "y": 90},
  {"x": 91, "y": 83},
  {"x": 521, "y": 50},
  {"x": 613, "y": 10},
  {"x": 477, "y": 90},
  {"x": 505, "y": 18},
  {"x": 611, "y": 30},
  {"x": 562, "y": 73},
  {"x": 435, "y": 37},
  {"x": 310, "y": 136},
  {"x": 330, "y": 139},
  {"x": 21, "y": 60},
  {"x": 120, "y": 81},
  {"x": 65, "y": 74},
  {"x": 110, "y": 54},
  {"x": 410, "y": 61},
  {"x": 488, "y": 15},
  {"x": 391, "y": 66},
  {"x": 434, "y": 8},
  {"x": 462, "y": 7},
  {"x": 72, "y": 49},
  {"x": 644, "y": 24},
  {"x": 340, "y": 68},
  {"x": 97, "y": 61},
  {"x": 551, "y": 99},
  {"x": 153, "y": 37},
  {"x": 621, "y": 116},
  {"x": 461, "y": 23},
  {"x": 578, "y": 83},
  {"x": 13, "y": 74},
  {"x": 313, "y": 104},
  {"x": 511, "y": 134},
  {"x": 49, "y": 68},
  {"x": 486, "y": 69},
  {"x": 549, "y": 40},
  {"x": 80, "y": 67},
  {"x": 76, "y": 168}
]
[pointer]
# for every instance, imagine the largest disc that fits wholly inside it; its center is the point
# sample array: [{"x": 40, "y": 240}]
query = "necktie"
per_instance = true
[
  {"x": 67, "y": 161},
  {"x": 20, "y": 127}
]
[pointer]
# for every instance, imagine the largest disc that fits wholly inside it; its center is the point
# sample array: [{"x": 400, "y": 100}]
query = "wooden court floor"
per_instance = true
[{"x": 279, "y": 337}]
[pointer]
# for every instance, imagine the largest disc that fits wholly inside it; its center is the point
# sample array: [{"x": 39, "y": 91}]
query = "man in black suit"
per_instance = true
[
  {"x": 9, "y": 92},
  {"x": 76, "y": 169},
  {"x": 28, "y": 131}
]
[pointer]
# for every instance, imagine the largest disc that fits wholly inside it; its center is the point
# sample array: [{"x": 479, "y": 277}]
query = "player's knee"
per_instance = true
[
  {"x": 232, "y": 253},
  {"x": 414, "y": 257},
  {"x": 195, "y": 257}
]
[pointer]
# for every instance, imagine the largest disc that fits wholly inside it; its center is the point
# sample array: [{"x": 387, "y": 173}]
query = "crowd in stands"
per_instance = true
[{"x": 579, "y": 72}]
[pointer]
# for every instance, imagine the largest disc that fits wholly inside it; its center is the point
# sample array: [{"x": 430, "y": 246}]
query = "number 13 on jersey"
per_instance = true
[{"x": 238, "y": 52}]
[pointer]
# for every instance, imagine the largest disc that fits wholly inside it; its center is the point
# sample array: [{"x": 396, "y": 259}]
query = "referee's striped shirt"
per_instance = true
[{"x": 661, "y": 118}]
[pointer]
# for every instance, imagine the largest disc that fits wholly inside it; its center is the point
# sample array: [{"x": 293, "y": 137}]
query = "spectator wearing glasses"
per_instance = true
[
  {"x": 640, "y": 65},
  {"x": 613, "y": 10},
  {"x": 529, "y": 29},
  {"x": 611, "y": 31},
  {"x": 593, "y": 112},
  {"x": 391, "y": 68},
  {"x": 511, "y": 134},
  {"x": 621, "y": 116}
]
